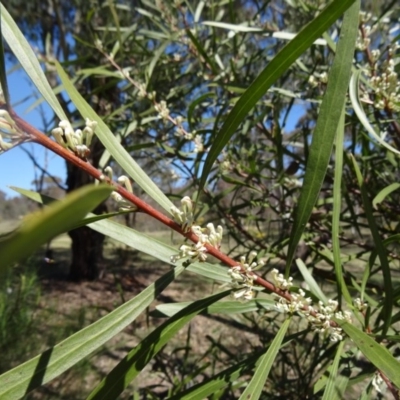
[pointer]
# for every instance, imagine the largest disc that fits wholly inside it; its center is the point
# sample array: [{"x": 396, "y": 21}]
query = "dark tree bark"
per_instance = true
[{"x": 87, "y": 260}]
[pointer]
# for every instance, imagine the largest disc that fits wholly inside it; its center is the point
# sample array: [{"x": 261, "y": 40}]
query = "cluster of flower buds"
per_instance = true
[
  {"x": 184, "y": 217},
  {"x": 162, "y": 109},
  {"x": 123, "y": 204},
  {"x": 387, "y": 86},
  {"x": 198, "y": 144},
  {"x": 10, "y": 134},
  {"x": 280, "y": 282},
  {"x": 316, "y": 79},
  {"x": 320, "y": 318},
  {"x": 360, "y": 305},
  {"x": 193, "y": 136},
  {"x": 206, "y": 236},
  {"x": 77, "y": 141},
  {"x": 242, "y": 276}
]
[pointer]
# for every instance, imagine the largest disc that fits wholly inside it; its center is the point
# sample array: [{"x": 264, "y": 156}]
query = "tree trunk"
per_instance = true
[
  {"x": 87, "y": 254},
  {"x": 87, "y": 245}
]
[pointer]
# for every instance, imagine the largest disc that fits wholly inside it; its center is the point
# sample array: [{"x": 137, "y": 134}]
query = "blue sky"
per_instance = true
[{"x": 16, "y": 169}]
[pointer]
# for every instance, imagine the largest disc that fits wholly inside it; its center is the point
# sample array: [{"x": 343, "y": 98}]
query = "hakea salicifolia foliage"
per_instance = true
[
  {"x": 10, "y": 134},
  {"x": 77, "y": 141},
  {"x": 207, "y": 236}
]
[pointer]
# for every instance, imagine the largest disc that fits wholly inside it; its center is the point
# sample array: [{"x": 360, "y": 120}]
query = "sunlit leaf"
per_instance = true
[
  {"x": 115, "y": 148},
  {"x": 25, "y": 55},
  {"x": 38, "y": 228}
]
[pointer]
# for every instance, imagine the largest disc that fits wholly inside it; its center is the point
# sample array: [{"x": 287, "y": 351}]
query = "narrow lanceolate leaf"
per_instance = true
[
  {"x": 16, "y": 383},
  {"x": 222, "y": 307},
  {"x": 111, "y": 143},
  {"x": 39, "y": 227},
  {"x": 325, "y": 129},
  {"x": 274, "y": 70},
  {"x": 25, "y": 55},
  {"x": 359, "y": 110},
  {"x": 256, "y": 385},
  {"x": 384, "y": 193},
  {"x": 219, "y": 381},
  {"x": 380, "y": 249},
  {"x": 138, "y": 240},
  {"x": 311, "y": 282},
  {"x": 375, "y": 352},
  {"x": 155, "y": 248},
  {"x": 331, "y": 386},
  {"x": 134, "y": 362},
  {"x": 337, "y": 211}
]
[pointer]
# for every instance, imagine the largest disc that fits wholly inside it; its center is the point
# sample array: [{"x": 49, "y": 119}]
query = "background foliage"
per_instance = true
[{"x": 169, "y": 80}]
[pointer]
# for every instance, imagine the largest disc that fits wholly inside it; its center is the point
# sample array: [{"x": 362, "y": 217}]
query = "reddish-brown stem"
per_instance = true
[{"x": 40, "y": 138}]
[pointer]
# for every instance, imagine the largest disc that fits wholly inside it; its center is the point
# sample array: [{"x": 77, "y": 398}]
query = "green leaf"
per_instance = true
[
  {"x": 46, "y": 200},
  {"x": 217, "y": 382},
  {"x": 375, "y": 352},
  {"x": 311, "y": 282},
  {"x": 256, "y": 385},
  {"x": 337, "y": 211},
  {"x": 42, "y": 226},
  {"x": 223, "y": 307},
  {"x": 359, "y": 110},
  {"x": 139, "y": 241},
  {"x": 156, "y": 248},
  {"x": 330, "y": 392},
  {"x": 326, "y": 127},
  {"x": 384, "y": 193},
  {"x": 202, "y": 52},
  {"x": 134, "y": 362},
  {"x": 115, "y": 148},
  {"x": 380, "y": 249},
  {"x": 274, "y": 70},
  {"x": 227, "y": 377},
  {"x": 25, "y": 55},
  {"x": 17, "y": 382}
]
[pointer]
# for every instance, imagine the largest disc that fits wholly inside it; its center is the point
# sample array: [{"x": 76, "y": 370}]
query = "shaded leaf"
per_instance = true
[
  {"x": 330, "y": 392},
  {"x": 375, "y": 352},
  {"x": 134, "y": 362},
  {"x": 384, "y": 193},
  {"x": 256, "y": 385},
  {"x": 274, "y": 70},
  {"x": 325, "y": 129},
  {"x": 19, "y": 381}
]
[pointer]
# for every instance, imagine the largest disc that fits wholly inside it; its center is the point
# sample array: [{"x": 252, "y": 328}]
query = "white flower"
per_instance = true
[
  {"x": 10, "y": 134},
  {"x": 77, "y": 141},
  {"x": 280, "y": 282},
  {"x": 378, "y": 382},
  {"x": 123, "y": 204},
  {"x": 360, "y": 305}
]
